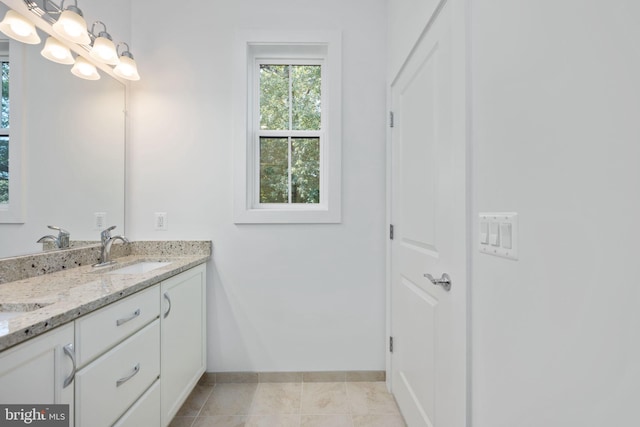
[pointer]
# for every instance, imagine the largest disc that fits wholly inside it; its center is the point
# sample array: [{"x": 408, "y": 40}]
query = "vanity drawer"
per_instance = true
[
  {"x": 145, "y": 412},
  {"x": 106, "y": 388},
  {"x": 104, "y": 328}
]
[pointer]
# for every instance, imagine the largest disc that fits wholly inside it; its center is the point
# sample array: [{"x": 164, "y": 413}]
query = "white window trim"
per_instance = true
[
  {"x": 249, "y": 47},
  {"x": 14, "y": 211}
]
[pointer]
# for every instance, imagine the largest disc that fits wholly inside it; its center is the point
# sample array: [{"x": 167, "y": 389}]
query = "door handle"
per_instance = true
[{"x": 444, "y": 281}]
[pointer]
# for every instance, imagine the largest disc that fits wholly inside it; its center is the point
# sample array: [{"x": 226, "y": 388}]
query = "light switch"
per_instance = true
[
  {"x": 505, "y": 234},
  {"x": 498, "y": 234},
  {"x": 494, "y": 234},
  {"x": 484, "y": 233}
]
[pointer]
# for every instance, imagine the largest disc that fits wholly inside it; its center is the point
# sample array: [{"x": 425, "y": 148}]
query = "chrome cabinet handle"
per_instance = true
[
  {"x": 68, "y": 350},
  {"x": 166, "y": 296},
  {"x": 444, "y": 281},
  {"x": 121, "y": 381},
  {"x": 126, "y": 319}
]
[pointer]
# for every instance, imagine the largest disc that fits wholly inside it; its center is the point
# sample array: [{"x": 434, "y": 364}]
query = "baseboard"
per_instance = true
[{"x": 292, "y": 377}]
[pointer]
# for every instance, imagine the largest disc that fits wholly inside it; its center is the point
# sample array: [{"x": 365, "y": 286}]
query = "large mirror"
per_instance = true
[{"x": 71, "y": 137}]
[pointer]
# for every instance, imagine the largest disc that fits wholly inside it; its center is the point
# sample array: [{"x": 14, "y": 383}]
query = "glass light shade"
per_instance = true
[
  {"x": 72, "y": 27},
  {"x": 55, "y": 51},
  {"x": 104, "y": 50},
  {"x": 19, "y": 28},
  {"x": 85, "y": 69},
  {"x": 127, "y": 68}
]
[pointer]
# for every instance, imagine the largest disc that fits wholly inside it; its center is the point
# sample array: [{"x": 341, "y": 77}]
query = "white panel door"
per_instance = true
[{"x": 428, "y": 210}]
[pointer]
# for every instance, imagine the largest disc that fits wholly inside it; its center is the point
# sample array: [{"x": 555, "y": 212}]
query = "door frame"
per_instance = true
[{"x": 462, "y": 128}]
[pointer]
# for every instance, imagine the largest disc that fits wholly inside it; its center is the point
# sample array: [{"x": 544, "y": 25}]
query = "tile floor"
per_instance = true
[{"x": 299, "y": 404}]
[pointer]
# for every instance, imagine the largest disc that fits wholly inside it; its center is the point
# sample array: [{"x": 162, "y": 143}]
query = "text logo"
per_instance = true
[{"x": 34, "y": 415}]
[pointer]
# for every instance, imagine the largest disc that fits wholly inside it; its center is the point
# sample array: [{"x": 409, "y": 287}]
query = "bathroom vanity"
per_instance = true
[{"x": 122, "y": 346}]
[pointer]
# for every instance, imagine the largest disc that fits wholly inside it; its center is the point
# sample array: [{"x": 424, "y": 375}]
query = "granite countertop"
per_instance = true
[{"x": 34, "y": 305}]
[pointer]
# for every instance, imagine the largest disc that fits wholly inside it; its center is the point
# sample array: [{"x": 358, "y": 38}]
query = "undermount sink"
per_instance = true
[
  {"x": 11, "y": 310},
  {"x": 140, "y": 267}
]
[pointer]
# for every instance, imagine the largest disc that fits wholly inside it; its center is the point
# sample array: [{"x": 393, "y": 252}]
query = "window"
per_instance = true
[
  {"x": 11, "y": 197},
  {"x": 4, "y": 130},
  {"x": 290, "y": 132},
  {"x": 288, "y": 150}
]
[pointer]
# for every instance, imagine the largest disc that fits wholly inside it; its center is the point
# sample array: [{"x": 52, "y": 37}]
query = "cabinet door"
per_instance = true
[
  {"x": 183, "y": 339},
  {"x": 34, "y": 372}
]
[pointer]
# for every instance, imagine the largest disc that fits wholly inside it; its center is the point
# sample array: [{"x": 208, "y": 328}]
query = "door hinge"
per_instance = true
[
  {"x": 390, "y": 344},
  {"x": 391, "y": 231},
  {"x": 390, "y": 119}
]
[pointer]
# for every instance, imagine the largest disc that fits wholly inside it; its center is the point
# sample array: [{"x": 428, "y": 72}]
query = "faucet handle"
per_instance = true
[
  {"x": 62, "y": 242},
  {"x": 106, "y": 233},
  {"x": 61, "y": 231}
]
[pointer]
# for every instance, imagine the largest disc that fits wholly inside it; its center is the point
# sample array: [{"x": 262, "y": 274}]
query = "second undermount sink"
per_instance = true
[
  {"x": 140, "y": 267},
  {"x": 11, "y": 310}
]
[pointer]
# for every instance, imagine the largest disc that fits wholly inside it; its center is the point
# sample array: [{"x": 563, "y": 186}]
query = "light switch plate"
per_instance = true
[
  {"x": 505, "y": 223},
  {"x": 160, "y": 222},
  {"x": 99, "y": 221}
]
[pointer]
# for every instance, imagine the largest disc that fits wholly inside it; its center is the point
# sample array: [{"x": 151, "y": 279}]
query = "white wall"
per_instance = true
[
  {"x": 556, "y": 133},
  {"x": 281, "y": 297}
]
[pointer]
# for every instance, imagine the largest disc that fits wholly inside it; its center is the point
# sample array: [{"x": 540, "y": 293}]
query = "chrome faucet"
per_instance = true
[
  {"x": 61, "y": 242},
  {"x": 107, "y": 240}
]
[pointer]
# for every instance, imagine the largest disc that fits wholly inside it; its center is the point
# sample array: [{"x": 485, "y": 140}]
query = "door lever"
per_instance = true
[{"x": 444, "y": 281}]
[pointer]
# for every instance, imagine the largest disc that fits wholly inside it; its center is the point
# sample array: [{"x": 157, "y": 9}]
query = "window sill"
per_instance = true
[{"x": 302, "y": 215}]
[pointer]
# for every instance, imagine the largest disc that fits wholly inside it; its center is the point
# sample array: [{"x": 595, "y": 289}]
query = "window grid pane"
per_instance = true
[
  {"x": 305, "y": 170},
  {"x": 274, "y": 170},
  {"x": 305, "y": 97},
  {"x": 4, "y": 169},
  {"x": 274, "y": 97}
]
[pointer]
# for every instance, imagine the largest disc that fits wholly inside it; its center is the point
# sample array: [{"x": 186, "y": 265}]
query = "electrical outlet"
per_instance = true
[
  {"x": 100, "y": 220},
  {"x": 161, "y": 221}
]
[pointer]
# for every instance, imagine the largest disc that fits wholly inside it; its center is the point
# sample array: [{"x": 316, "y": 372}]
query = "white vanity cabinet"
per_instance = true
[
  {"x": 183, "y": 338},
  {"x": 132, "y": 363},
  {"x": 40, "y": 371}
]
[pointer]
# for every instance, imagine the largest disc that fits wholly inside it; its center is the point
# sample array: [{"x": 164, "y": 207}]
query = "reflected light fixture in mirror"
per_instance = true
[
  {"x": 19, "y": 28},
  {"x": 103, "y": 49},
  {"x": 71, "y": 25},
  {"x": 84, "y": 69},
  {"x": 127, "y": 68},
  {"x": 55, "y": 51}
]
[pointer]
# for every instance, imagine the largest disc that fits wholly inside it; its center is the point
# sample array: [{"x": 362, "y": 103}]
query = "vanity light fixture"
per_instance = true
[
  {"x": 103, "y": 49},
  {"x": 55, "y": 51},
  {"x": 19, "y": 28},
  {"x": 71, "y": 25},
  {"x": 68, "y": 23},
  {"x": 84, "y": 69},
  {"x": 127, "y": 68}
]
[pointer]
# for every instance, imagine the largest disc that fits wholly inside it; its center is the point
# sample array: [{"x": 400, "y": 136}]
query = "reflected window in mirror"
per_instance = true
[
  {"x": 11, "y": 208},
  {"x": 4, "y": 123}
]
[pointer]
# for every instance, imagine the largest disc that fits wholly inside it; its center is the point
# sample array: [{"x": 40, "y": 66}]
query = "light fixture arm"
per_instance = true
[
  {"x": 103, "y": 33},
  {"x": 125, "y": 52}
]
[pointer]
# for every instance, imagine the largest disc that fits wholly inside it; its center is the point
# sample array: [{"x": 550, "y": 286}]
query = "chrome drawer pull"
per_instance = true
[
  {"x": 68, "y": 350},
  {"x": 121, "y": 381},
  {"x": 166, "y": 296},
  {"x": 126, "y": 319}
]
